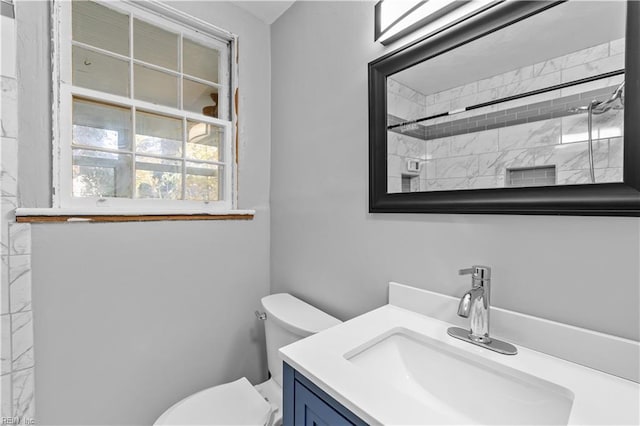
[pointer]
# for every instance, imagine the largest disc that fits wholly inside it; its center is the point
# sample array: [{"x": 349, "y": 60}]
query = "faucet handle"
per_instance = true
[{"x": 477, "y": 272}]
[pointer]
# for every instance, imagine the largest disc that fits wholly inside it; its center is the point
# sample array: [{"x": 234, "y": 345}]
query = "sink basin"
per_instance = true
[{"x": 459, "y": 385}]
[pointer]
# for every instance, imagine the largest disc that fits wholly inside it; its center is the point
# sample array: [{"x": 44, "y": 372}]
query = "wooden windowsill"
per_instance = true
[{"x": 48, "y": 215}]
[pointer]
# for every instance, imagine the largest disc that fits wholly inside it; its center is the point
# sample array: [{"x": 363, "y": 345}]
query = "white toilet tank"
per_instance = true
[{"x": 288, "y": 320}]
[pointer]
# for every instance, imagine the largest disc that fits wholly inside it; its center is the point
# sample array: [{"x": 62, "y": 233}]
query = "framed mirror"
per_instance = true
[{"x": 528, "y": 108}]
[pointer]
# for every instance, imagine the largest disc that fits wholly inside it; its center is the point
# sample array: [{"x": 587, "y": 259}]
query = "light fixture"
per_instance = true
[{"x": 395, "y": 19}]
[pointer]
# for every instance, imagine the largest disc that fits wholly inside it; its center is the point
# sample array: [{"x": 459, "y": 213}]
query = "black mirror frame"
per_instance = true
[{"x": 605, "y": 199}]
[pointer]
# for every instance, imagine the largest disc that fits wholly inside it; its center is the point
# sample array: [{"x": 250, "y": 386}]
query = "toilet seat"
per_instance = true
[{"x": 234, "y": 403}]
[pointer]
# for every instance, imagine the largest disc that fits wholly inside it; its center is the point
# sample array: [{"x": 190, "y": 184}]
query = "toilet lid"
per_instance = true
[{"x": 234, "y": 403}]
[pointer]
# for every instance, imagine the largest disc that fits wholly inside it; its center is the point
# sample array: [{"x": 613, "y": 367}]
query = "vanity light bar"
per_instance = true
[
  {"x": 395, "y": 19},
  {"x": 412, "y": 123}
]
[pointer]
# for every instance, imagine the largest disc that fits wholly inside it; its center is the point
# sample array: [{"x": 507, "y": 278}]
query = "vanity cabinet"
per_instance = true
[{"x": 306, "y": 404}]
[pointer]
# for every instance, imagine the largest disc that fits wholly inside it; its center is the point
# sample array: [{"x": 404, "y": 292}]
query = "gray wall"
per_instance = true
[
  {"x": 131, "y": 317},
  {"x": 326, "y": 248}
]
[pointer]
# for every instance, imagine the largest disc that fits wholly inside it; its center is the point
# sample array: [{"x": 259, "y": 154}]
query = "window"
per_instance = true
[{"x": 142, "y": 109}]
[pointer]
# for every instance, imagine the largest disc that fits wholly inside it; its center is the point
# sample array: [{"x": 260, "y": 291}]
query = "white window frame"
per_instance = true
[{"x": 172, "y": 20}]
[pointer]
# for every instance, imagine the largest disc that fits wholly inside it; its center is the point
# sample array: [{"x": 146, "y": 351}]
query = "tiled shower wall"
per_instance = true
[
  {"x": 17, "y": 378},
  {"x": 479, "y": 155}
]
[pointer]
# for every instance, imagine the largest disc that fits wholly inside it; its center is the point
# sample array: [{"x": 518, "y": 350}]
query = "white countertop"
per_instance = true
[{"x": 599, "y": 398}]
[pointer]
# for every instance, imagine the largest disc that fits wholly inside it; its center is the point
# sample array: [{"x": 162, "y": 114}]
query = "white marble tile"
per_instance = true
[
  {"x": 535, "y": 83},
  {"x": 574, "y": 156},
  {"x": 394, "y": 185},
  {"x": 608, "y": 125},
  {"x": 588, "y": 69},
  {"x": 529, "y": 135},
  {"x": 573, "y": 177},
  {"x": 8, "y": 43},
  {"x": 616, "y": 153},
  {"x": 474, "y": 143},
  {"x": 572, "y": 59},
  {"x": 471, "y": 100},
  {"x": 9, "y": 167},
  {"x": 408, "y": 146},
  {"x": 20, "y": 282},
  {"x": 428, "y": 171},
  {"x": 7, "y": 400},
  {"x": 4, "y": 295},
  {"x": 406, "y": 92},
  {"x": 19, "y": 238},
  {"x": 22, "y": 340},
  {"x": 447, "y": 184},
  {"x": 437, "y": 108},
  {"x": 7, "y": 207},
  {"x": 5, "y": 355},
  {"x": 404, "y": 108},
  {"x": 617, "y": 47},
  {"x": 609, "y": 175},
  {"x": 456, "y": 92},
  {"x": 395, "y": 166},
  {"x": 23, "y": 389},
  {"x": 9, "y": 117},
  {"x": 504, "y": 79},
  {"x": 497, "y": 163},
  {"x": 439, "y": 148},
  {"x": 483, "y": 182},
  {"x": 457, "y": 167}
]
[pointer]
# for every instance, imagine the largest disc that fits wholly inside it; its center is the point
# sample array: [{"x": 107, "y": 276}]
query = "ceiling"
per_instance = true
[
  {"x": 566, "y": 28},
  {"x": 265, "y": 10}
]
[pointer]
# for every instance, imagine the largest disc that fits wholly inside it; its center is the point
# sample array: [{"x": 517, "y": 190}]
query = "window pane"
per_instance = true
[
  {"x": 101, "y": 174},
  {"x": 200, "y": 98},
  {"x": 203, "y": 182},
  {"x": 100, "y": 26},
  {"x": 100, "y": 72},
  {"x": 101, "y": 125},
  {"x": 204, "y": 141},
  {"x": 158, "y": 178},
  {"x": 200, "y": 61},
  {"x": 157, "y": 134},
  {"x": 154, "y": 45},
  {"x": 155, "y": 86}
]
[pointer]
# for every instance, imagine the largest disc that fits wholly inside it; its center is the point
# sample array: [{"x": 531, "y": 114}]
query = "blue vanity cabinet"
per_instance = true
[{"x": 304, "y": 404}]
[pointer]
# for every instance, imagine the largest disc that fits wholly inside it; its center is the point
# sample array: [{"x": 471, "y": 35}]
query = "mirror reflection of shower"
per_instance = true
[{"x": 616, "y": 102}]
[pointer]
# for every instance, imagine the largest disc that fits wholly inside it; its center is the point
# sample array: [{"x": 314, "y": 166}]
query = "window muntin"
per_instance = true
[{"x": 150, "y": 117}]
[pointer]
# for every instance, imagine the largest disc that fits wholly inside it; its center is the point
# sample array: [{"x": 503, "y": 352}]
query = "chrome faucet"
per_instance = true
[{"x": 475, "y": 305}]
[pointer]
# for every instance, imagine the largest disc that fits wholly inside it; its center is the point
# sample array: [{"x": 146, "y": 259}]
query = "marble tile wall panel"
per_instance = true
[
  {"x": 608, "y": 64},
  {"x": 9, "y": 104},
  {"x": 617, "y": 47},
  {"x": 457, "y": 167},
  {"x": 580, "y": 57},
  {"x": 8, "y": 168},
  {"x": 5, "y": 323},
  {"x": 21, "y": 341},
  {"x": 23, "y": 392},
  {"x": 20, "y": 283},
  {"x": 6, "y": 409},
  {"x": 406, "y": 92},
  {"x": 404, "y": 108},
  {"x": 15, "y": 244},
  {"x": 8, "y": 46},
  {"x": 607, "y": 125},
  {"x": 528, "y": 135}
]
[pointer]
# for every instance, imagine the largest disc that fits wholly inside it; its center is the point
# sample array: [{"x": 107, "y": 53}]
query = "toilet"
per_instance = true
[{"x": 288, "y": 319}]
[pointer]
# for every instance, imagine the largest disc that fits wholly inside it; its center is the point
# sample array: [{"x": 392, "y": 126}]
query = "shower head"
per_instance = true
[
  {"x": 599, "y": 107},
  {"x": 604, "y": 106}
]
